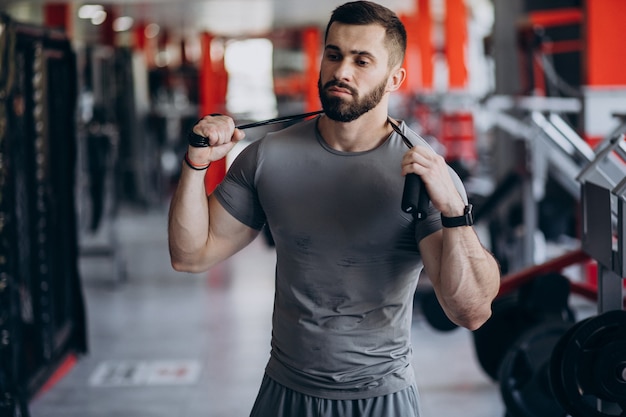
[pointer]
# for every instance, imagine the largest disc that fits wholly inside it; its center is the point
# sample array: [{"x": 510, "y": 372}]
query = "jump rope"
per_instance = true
[{"x": 415, "y": 198}]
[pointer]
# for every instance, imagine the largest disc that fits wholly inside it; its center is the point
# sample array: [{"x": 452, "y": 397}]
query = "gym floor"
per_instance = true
[{"x": 163, "y": 343}]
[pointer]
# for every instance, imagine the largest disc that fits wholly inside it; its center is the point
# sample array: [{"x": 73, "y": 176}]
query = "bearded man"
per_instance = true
[{"x": 348, "y": 257}]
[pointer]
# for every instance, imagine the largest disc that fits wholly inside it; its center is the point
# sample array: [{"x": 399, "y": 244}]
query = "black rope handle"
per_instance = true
[
  {"x": 200, "y": 141},
  {"x": 415, "y": 199}
]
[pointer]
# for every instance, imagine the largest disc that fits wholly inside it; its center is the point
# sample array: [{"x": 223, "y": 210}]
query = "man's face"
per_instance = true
[{"x": 354, "y": 71}]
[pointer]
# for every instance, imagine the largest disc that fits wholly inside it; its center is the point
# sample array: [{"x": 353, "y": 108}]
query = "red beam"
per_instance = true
[
  {"x": 605, "y": 58},
  {"x": 58, "y": 15},
  {"x": 456, "y": 43},
  {"x": 311, "y": 44},
  {"x": 561, "y": 47},
  {"x": 107, "y": 34},
  {"x": 213, "y": 86},
  {"x": 63, "y": 368},
  {"x": 557, "y": 17},
  {"x": 511, "y": 282},
  {"x": 424, "y": 31}
]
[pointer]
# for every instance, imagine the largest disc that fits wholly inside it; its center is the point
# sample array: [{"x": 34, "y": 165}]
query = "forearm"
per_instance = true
[
  {"x": 188, "y": 222},
  {"x": 469, "y": 277}
]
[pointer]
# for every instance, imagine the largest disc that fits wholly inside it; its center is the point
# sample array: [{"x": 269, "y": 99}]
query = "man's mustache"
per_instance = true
[{"x": 339, "y": 84}]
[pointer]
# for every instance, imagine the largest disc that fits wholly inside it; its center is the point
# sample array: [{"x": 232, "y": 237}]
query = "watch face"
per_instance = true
[{"x": 469, "y": 214}]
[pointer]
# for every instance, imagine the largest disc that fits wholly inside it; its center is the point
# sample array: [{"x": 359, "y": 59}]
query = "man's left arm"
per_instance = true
[{"x": 465, "y": 276}]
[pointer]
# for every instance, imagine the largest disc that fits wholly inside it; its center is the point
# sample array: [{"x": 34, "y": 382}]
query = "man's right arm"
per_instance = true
[{"x": 201, "y": 232}]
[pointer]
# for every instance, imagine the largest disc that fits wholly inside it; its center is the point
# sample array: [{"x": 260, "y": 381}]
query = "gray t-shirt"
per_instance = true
[{"x": 347, "y": 258}]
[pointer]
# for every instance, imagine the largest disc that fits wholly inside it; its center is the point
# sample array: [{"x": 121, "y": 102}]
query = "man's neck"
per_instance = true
[{"x": 363, "y": 134}]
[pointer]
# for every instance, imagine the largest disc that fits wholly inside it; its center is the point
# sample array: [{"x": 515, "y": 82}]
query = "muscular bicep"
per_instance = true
[
  {"x": 227, "y": 235},
  {"x": 203, "y": 245}
]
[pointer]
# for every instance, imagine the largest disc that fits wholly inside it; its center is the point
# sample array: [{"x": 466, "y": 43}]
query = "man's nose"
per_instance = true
[{"x": 343, "y": 70}]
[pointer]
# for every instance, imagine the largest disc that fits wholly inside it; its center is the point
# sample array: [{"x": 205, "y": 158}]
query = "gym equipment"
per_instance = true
[
  {"x": 588, "y": 367},
  {"x": 554, "y": 368},
  {"x": 515, "y": 280},
  {"x": 547, "y": 296},
  {"x": 558, "y": 348},
  {"x": 41, "y": 306},
  {"x": 104, "y": 142},
  {"x": 12, "y": 400},
  {"x": 434, "y": 315},
  {"x": 524, "y": 372},
  {"x": 99, "y": 148},
  {"x": 515, "y": 313},
  {"x": 603, "y": 221},
  {"x": 493, "y": 339},
  {"x": 545, "y": 150},
  {"x": 588, "y": 364}
]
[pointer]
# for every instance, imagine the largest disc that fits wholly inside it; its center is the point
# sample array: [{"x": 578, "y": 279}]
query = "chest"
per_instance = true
[{"x": 309, "y": 192}]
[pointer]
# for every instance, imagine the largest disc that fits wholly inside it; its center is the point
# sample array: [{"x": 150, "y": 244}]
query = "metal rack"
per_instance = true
[{"x": 603, "y": 185}]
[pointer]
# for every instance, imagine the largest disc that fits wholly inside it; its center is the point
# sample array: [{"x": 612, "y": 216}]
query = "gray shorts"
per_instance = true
[{"x": 275, "y": 400}]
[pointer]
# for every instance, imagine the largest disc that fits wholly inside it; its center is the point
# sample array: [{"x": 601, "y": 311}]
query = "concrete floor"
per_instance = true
[{"x": 168, "y": 344}]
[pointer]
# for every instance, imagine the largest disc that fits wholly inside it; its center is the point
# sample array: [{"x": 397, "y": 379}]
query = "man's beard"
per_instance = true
[{"x": 339, "y": 110}]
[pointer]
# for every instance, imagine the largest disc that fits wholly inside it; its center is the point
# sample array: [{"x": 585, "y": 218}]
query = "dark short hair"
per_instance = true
[{"x": 367, "y": 12}]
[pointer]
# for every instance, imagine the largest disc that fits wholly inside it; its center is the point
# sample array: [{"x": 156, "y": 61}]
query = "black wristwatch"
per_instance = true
[{"x": 467, "y": 219}]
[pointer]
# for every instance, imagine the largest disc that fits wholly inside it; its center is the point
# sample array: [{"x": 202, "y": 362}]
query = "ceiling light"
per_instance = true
[
  {"x": 123, "y": 23},
  {"x": 162, "y": 59},
  {"x": 99, "y": 17},
  {"x": 152, "y": 30},
  {"x": 88, "y": 11}
]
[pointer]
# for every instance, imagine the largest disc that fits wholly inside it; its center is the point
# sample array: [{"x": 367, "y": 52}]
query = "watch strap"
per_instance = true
[{"x": 467, "y": 219}]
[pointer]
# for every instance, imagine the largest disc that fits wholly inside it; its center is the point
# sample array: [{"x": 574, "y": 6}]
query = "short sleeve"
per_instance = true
[{"x": 237, "y": 192}]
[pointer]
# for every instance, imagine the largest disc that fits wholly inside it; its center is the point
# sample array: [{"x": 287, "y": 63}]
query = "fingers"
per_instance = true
[
  {"x": 221, "y": 135},
  {"x": 219, "y": 130},
  {"x": 421, "y": 160},
  {"x": 436, "y": 176}
]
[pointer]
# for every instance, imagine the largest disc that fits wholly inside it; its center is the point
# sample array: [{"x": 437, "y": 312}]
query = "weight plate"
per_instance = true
[
  {"x": 610, "y": 373},
  {"x": 556, "y": 363},
  {"x": 547, "y": 296},
  {"x": 588, "y": 367},
  {"x": 492, "y": 340},
  {"x": 524, "y": 372},
  {"x": 543, "y": 299}
]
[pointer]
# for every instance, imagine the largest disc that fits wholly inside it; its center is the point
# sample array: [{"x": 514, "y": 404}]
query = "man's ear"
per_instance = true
[{"x": 396, "y": 79}]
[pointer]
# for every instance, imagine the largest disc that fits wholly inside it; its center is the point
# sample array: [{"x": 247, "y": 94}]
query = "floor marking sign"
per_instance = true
[{"x": 145, "y": 373}]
